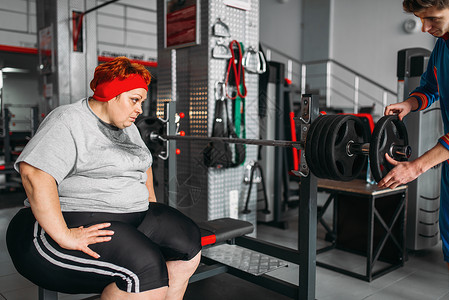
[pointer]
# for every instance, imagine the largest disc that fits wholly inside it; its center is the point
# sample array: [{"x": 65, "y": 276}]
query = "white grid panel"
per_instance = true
[
  {"x": 197, "y": 73},
  {"x": 243, "y": 27}
]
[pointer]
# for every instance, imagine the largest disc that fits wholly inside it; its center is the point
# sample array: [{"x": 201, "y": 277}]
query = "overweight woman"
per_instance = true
[{"x": 91, "y": 222}]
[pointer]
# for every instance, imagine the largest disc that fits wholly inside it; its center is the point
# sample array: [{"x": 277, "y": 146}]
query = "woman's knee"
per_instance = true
[
  {"x": 177, "y": 234},
  {"x": 187, "y": 237},
  {"x": 142, "y": 264}
]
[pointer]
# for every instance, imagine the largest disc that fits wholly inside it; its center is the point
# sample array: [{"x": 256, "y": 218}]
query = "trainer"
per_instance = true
[{"x": 434, "y": 15}]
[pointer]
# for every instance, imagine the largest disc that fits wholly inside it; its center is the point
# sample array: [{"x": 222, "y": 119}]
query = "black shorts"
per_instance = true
[{"x": 135, "y": 258}]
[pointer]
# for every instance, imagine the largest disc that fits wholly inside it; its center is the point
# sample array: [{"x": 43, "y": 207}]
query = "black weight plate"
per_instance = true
[
  {"x": 318, "y": 146},
  {"x": 321, "y": 150},
  {"x": 311, "y": 158},
  {"x": 148, "y": 125},
  {"x": 346, "y": 130},
  {"x": 331, "y": 132},
  {"x": 329, "y": 136},
  {"x": 389, "y": 130}
]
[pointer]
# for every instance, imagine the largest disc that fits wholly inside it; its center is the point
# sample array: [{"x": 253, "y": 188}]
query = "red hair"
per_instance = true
[{"x": 120, "y": 68}]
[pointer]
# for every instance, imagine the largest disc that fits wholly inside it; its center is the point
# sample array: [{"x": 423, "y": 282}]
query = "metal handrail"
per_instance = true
[
  {"x": 326, "y": 62},
  {"x": 360, "y": 91},
  {"x": 355, "y": 73}
]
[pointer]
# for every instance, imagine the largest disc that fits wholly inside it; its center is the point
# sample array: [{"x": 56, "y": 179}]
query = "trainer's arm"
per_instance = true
[
  {"x": 404, "y": 172},
  {"x": 42, "y": 193}
]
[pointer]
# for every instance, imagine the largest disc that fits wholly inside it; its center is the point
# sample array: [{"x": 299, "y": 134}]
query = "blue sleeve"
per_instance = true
[{"x": 427, "y": 91}]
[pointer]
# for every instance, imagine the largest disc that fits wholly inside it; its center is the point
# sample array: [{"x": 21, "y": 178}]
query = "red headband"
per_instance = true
[{"x": 107, "y": 90}]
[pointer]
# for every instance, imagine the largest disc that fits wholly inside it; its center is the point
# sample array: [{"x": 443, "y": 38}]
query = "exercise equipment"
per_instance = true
[
  {"x": 389, "y": 137},
  {"x": 255, "y": 166},
  {"x": 12, "y": 141},
  {"x": 335, "y": 143},
  {"x": 223, "y": 229},
  {"x": 154, "y": 129},
  {"x": 336, "y": 146}
]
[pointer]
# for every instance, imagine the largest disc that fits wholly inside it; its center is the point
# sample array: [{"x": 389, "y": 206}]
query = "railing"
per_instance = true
[{"x": 338, "y": 86}]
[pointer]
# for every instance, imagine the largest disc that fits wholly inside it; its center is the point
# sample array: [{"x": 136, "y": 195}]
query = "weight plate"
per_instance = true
[
  {"x": 328, "y": 136},
  {"x": 322, "y": 149},
  {"x": 342, "y": 164},
  {"x": 311, "y": 159},
  {"x": 389, "y": 131},
  {"x": 315, "y": 147},
  {"x": 148, "y": 127},
  {"x": 319, "y": 147}
]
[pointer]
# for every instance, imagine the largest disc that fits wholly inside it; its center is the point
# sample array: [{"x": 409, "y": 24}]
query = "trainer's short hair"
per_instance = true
[{"x": 413, "y": 6}]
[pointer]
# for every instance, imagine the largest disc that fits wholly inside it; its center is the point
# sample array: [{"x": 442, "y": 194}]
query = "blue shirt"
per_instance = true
[{"x": 434, "y": 84}]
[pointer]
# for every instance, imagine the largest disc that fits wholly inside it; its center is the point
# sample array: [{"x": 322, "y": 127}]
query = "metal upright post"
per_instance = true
[
  {"x": 279, "y": 134},
  {"x": 44, "y": 294},
  {"x": 34, "y": 125},
  {"x": 307, "y": 222},
  {"x": 7, "y": 137},
  {"x": 170, "y": 115}
]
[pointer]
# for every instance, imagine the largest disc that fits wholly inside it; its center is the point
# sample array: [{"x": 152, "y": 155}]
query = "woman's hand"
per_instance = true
[
  {"x": 80, "y": 238},
  {"x": 42, "y": 193}
]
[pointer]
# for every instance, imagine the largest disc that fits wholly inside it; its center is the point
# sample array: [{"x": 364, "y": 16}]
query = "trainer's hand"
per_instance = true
[
  {"x": 401, "y": 109},
  {"x": 80, "y": 238},
  {"x": 402, "y": 173}
]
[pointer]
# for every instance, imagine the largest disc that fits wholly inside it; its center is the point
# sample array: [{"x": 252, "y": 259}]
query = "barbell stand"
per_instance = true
[
  {"x": 307, "y": 214},
  {"x": 305, "y": 256}
]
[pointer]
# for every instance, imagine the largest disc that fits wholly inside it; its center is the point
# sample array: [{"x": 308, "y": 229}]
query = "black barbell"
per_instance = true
[{"x": 336, "y": 146}]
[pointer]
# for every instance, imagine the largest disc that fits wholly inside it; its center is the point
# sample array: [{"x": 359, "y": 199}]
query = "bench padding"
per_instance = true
[{"x": 224, "y": 229}]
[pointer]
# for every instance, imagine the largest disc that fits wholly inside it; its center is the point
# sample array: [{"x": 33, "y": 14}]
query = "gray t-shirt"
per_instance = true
[{"x": 97, "y": 167}]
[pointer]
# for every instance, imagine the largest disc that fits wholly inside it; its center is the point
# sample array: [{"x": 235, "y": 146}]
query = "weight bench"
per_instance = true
[
  {"x": 221, "y": 230},
  {"x": 212, "y": 232}
]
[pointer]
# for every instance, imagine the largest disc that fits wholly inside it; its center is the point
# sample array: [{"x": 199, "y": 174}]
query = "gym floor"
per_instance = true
[{"x": 424, "y": 276}]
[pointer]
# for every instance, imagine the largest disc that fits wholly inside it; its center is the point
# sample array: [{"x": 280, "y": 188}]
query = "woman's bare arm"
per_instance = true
[
  {"x": 149, "y": 184},
  {"x": 42, "y": 193}
]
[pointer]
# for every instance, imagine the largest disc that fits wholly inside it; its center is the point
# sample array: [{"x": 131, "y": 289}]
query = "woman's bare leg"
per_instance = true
[
  {"x": 179, "y": 272},
  {"x": 112, "y": 292}
]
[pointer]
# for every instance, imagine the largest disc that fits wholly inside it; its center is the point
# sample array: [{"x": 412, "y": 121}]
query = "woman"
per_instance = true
[{"x": 92, "y": 224}]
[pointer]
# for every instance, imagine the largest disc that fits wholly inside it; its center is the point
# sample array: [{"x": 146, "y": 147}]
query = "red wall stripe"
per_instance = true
[
  {"x": 142, "y": 62},
  {"x": 27, "y": 50},
  {"x": 17, "y": 49}
]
